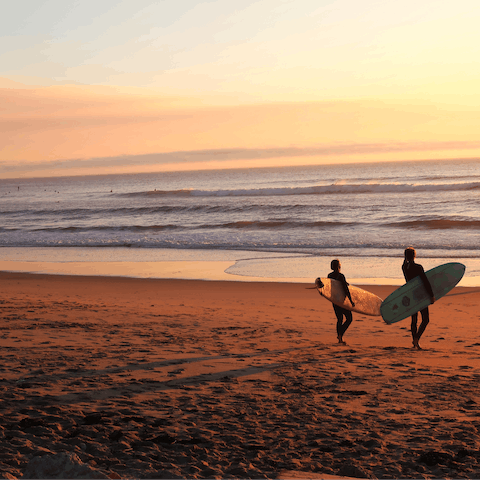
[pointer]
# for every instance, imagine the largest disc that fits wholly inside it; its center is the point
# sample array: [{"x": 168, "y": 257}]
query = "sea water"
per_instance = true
[{"x": 276, "y": 223}]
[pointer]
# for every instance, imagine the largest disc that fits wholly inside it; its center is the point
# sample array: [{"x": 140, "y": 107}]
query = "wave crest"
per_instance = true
[
  {"x": 335, "y": 188},
  {"x": 437, "y": 224}
]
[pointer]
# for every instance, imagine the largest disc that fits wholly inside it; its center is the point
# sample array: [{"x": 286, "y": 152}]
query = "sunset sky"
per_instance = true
[{"x": 118, "y": 86}]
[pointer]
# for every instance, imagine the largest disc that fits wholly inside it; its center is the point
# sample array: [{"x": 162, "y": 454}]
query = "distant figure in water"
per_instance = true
[
  {"x": 339, "y": 311},
  {"x": 411, "y": 270}
]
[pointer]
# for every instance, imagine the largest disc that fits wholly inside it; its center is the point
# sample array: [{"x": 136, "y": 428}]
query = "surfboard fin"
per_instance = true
[{"x": 319, "y": 283}]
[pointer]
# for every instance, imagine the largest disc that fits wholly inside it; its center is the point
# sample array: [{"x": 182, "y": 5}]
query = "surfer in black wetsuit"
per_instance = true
[
  {"x": 339, "y": 311},
  {"x": 411, "y": 270}
]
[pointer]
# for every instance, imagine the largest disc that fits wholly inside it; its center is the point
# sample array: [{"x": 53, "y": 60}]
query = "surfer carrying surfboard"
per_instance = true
[
  {"x": 339, "y": 311},
  {"x": 411, "y": 270}
]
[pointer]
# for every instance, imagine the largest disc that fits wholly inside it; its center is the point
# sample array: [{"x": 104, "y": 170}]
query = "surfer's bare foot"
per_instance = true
[{"x": 340, "y": 340}]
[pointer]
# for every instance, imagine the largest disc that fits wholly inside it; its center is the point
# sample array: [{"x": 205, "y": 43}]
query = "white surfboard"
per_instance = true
[{"x": 365, "y": 302}]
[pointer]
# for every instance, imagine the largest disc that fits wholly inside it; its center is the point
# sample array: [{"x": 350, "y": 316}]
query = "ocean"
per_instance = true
[{"x": 267, "y": 223}]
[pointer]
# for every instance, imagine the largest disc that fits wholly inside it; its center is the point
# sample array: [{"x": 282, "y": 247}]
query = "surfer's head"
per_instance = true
[
  {"x": 410, "y": 254},
  {"x": 335, "y": 265}
]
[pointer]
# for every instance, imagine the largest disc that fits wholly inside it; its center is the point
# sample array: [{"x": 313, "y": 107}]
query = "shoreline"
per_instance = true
[
  {"x": 177, "y": 270},
  {"x": 226, "y": 265},
  {"x": 183, "y": 270}
]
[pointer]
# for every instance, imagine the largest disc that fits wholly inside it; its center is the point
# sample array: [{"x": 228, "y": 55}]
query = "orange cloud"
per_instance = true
[{"x": 78, "y": 129}]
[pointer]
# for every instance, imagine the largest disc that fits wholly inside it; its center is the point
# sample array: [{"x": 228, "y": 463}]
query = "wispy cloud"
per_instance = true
[{"x": 158, "y": 160}]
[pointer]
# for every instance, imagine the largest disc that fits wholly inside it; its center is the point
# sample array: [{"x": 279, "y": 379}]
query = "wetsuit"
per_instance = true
[
  {"x": 410, "y": 271},
  {"x": 339, "y": 311}
]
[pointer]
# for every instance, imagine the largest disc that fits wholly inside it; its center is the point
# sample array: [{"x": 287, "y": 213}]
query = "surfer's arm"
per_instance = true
[
  {"x": 404, "y": 270},
  {"x": 427, "y": 285},
  {"x": 347, "y": 291},
  {"x": 350, "y": 297}
]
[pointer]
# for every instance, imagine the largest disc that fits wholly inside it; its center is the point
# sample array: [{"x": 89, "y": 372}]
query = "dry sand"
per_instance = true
[{"x": 136, "y": 378}]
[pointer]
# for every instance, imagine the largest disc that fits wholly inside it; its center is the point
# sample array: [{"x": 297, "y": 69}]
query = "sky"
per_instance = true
[{"x": 115, "y": 86}]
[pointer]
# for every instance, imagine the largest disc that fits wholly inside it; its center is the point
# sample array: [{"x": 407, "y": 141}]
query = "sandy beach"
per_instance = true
[{"x": 109, "y": 377}]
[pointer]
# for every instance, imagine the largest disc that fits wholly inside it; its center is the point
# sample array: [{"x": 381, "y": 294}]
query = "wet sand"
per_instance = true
[{"x": 144, "y": 378}]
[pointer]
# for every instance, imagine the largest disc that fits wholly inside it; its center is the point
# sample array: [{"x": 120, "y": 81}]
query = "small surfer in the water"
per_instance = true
[
  {"x": 411, "y": 270},
  {"x": 339, "y": 311}
]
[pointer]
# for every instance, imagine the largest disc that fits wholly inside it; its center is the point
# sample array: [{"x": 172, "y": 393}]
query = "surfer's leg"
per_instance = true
[
  {"x": 339, "y": 312},
  {"x": 348, "y": 321},
  {"x": 342, "y": 326},
  {"x": 425, "y": 320},
  {"x": 413, "y": 329}
]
